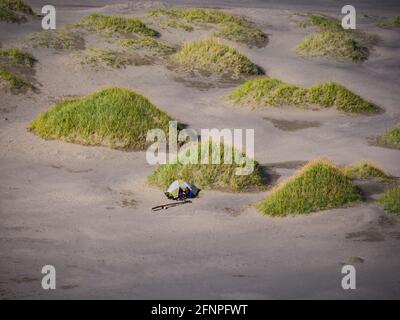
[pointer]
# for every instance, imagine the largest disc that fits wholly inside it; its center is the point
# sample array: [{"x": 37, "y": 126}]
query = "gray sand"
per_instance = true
[{"x": 86, "y": 210}]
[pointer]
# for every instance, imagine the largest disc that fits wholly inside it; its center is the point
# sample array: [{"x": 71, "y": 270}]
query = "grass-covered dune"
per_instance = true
[
  {"x": 14, "y": 11},
  {"x": 391, "y": 200},
  {"x": 273, "y": 92},
  {"x": 60, "y": 39},
  {"x": 231, "y": 27},
  {"x": 114, "y": 117},
  {"x": 112, "y": 24},
  {"x": 366, "y": 170},
  {"x": 149, "y": 44},
  {"x": 390, "y": 139},
  {"x": 12, "y": 81},
  {"x": 317, "y": 186},
  {"x": 332, "y": 40},
  {"x": 212, "y": 56},
  {"x": 16, "y": 57},
  {"x": 102, "y": 58},
  {"x": 208, "y": 176},
  {"x": 14, "y": 65}
]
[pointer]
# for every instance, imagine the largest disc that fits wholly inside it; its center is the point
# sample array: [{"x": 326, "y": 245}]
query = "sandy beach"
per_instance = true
[{"x": 87, "y": 209}]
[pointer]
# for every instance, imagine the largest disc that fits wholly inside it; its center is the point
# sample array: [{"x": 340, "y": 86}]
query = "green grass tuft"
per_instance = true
[
  {"x": 213, "y": 57},
  {"x": 391, "y": 200},
  {"x": 63, "y": 38},
  {"x": 208, "y": 176},
  {"x": 332, "y": 40},
  {"x": 13, "y": 81},
  {"x": 100, "y": 58},
  {"x": 273, "y": 92},
  {"x": 148, "y": 43},
  {"x": 366, "y": 170},
  {"x": 114, "y": 117},
  {"x": 113, "y": 24},
  {"x": 13, "y": 11},
  {"x": 16, "y": 57},
  {"x": 391, "y": 139},
  {"x": 317, "y": 186},
  {"x": 233, "y": 27}
]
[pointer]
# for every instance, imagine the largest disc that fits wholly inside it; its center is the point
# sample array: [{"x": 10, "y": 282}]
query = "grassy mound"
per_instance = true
[
  {"x": 391, "y": 200},
  {"x": 366, "y": 170},
  {"x": 211, "y": 56},
  {"x": 273, "y": 92},
  {"x": 113, "y": 117},
  {"x": 391, "y": 23},
  {"x": 101, "y": 58},
  {"x": 148, "y": 43},
  {"x": 16, "y": 57},
  {"x": 232, "y": 27},
  {"x": 63, "y": 38},
  {"x": 14, "y": 11},
  {"x": 113, "y": 24},
  {"x": 208, "y": 176},
  {"x": 391, "y": 139},
  {"x": 318, "y": 185},
  {"x": 13, "y": 81},
  {"x": 332, "y": 40},
  {"x": 15, "y": 65}
]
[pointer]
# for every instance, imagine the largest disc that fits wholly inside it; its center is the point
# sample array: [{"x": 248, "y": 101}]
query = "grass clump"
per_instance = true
[
  {"x": 391, "y": 23},
  {"x": 113, "y": 24},
  {"x": 233, "y": 27},
  {"x": 332, "y": 40},
  {"x": 211, "y": 56},
  {"x": 57, "y": 39},
  {"x": 208, "y": 176},
  {"x": 12, "y": 81},
  {"x": 16, "y": 57},
  {"x": 100, "y": 58},
  {"x": 317, "y": 186},
  {"x": 366, "y": 170},
  {"x": 15, "y": 66},
  {"x": 391, "y": 139},
  {"x": 391, "y": 200},
  {"x": 273, "y": 92},
  {"x": 114, "y": 117},
  {"x": 148, "y": 43},
  {"x": 14, "y": 11}
]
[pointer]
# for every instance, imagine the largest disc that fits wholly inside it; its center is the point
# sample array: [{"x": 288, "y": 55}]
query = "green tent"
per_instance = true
[{"x": 179, "y": 186}]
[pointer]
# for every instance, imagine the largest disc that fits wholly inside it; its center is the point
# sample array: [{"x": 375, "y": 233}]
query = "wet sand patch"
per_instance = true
[{"x": 292, "y": 125}]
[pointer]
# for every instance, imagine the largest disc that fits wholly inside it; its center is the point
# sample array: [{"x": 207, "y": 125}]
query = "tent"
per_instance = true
[{"x": 176, "y": 189}]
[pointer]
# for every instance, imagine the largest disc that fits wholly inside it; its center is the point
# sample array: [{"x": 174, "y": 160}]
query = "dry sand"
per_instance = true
[{"x": 86, "y": 210}]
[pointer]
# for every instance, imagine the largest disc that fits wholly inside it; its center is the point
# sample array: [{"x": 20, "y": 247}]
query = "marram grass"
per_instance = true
[
  {"x": 317, "y": 186},
  {"x": 208, "y": 176},
  {"x": 112, "y": 24},
  {"x": 13, "y": 81},
  {"x": 16, "y": 57},
  {"x": 63, "y": 38},
  {"x": 366, "y": 170},
  {"x": 14, "y": 11},
  {"x": 391, "y": 200},
  {"x": 332, "y": 40},
  {"x": 273, "y": 92},
  {"x": 114, "y": 117},
  {"x": 391, "y": 138},
  {"x": 231, "y": 27},
  {"x": 147, "y": 43},
  {"x": 214, "y": 57}
]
